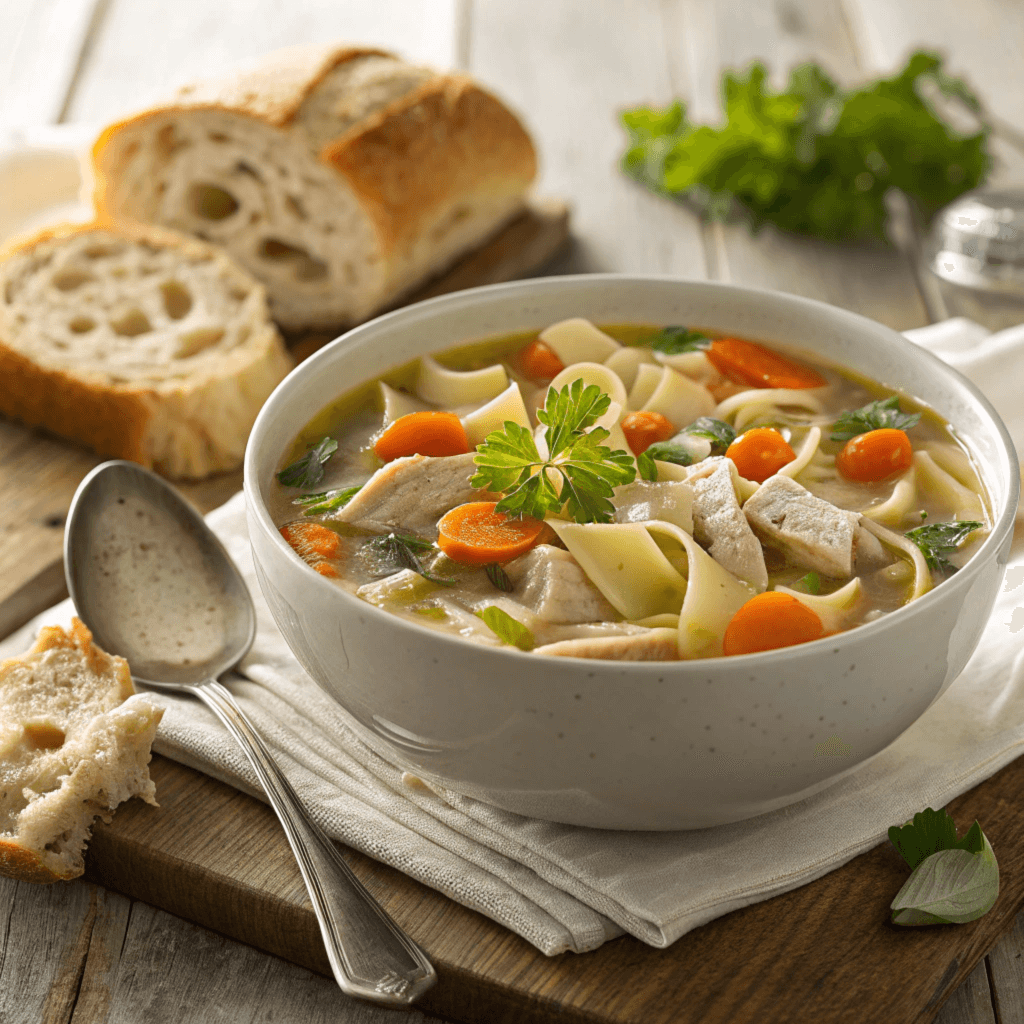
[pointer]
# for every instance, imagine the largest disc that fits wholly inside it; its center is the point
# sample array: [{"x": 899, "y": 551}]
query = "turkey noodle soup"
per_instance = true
[{"x": 632, "y": 493}]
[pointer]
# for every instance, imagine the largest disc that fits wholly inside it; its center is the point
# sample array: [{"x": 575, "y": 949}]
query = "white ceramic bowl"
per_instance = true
[{"x": 670, "y": 745}]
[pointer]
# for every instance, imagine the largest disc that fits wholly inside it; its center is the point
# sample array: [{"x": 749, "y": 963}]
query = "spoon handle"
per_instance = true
[{"x": 371, "y": 956}]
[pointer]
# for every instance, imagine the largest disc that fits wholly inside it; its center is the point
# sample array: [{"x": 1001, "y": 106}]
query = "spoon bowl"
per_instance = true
[
  {"x": 156, "y": 586},
  {"x": 146, "y": 567}
]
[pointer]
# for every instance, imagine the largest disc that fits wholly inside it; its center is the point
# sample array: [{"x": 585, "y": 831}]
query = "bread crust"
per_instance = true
[
  {"x": 446, "y": 140},
  {"x": 16, "y": 861},
  {"x": 113, "y": 419},
  {"x": 445, "y": 155}
]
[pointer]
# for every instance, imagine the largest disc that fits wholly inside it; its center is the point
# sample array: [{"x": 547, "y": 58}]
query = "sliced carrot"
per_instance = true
[
  {"x": 326, "y": 569},
  {"x": 758, "y": 367},
  {"x": 311, "y": 540},
  {"x": 475, "y": 534},
  {"x": 876, "y": 455},
  {"x": 538, "y": 361},
  {"x": 768, "y": 621},
  {"x": 642, "y": 429},
  {"x": 760, "y": 453},
  {"x": 423, "y": 433}
]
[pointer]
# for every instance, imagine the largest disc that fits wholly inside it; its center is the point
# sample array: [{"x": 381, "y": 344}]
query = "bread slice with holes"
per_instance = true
[
  {"x": 74, "y": 743},
  {"x": 140, "y": 343},
  {"x": 339, "y": 177}
]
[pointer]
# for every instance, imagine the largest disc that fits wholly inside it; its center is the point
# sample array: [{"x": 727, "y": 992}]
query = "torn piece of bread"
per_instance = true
[
  {"x": 340, "y": 177},
  {"x": 74, "y": 743},
  {"x": 140, "y": 343}
]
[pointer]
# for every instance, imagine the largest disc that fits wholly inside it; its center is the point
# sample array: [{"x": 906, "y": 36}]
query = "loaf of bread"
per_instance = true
[
  {"x": 338, "y": 177},
  {"x": 74, "y": 743},
  {"x": 140, "y": 343}
]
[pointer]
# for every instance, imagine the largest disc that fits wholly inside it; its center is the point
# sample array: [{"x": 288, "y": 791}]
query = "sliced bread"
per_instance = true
[
  {"x": 140, "y": 343},
  {"x": 339, "y": 177},
  {"x": 74, "y": 743}
]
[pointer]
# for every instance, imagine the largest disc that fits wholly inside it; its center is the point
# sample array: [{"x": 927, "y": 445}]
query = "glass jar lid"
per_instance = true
[{"x": 978, "y": 241}]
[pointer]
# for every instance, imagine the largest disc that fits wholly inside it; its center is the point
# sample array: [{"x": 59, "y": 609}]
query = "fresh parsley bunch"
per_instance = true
[
  {"x": 509, "y": 461},
  {"x": 814, "y": 159}
]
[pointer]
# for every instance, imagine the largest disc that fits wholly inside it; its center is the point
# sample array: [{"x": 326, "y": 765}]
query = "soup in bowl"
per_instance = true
[{"x": 629, "y": 552}]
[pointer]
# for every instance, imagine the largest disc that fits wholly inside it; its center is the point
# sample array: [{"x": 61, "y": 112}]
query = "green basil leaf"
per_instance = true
[
  {"x": 646, "y": 467},
  {"x": 718, "y": 432},
  {"x": 952, "y": 886},
  {"x": 669, "y": 451},
  {"x": 506, "y": 628},
  {"x": 929, "y": 832}
]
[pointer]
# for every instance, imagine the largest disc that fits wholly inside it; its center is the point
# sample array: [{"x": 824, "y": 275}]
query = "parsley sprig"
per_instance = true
[
  {"x": 885, "y": 414},
  {"x": 508, "y": 461},
  {"x": 308, "y": 470},
  {"x": 936, "y": 540},
  {"x": 326, "y": 501},
  {"x": 815, "y": 159}
]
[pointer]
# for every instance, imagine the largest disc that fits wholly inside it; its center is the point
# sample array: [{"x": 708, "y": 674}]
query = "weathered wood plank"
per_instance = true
[
  {"x": 570, "y": 67},
  {"x": 172, "y": 972},
  {"x": 971, "y": 1003},
  {"x": 144, "y": 49},
  {"x": 869, "y": 279},
  {"x": 1006, "y": 963},
  {"x": 41, "y": 44},
  {"x": 45, "y": 937}
]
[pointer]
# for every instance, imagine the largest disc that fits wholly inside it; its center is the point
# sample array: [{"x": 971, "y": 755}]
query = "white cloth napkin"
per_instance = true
[{"x": 569, "y": 888}]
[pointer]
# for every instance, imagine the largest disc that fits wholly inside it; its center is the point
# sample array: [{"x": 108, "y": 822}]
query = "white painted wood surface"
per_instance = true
[{"x": 76, "y": 953}]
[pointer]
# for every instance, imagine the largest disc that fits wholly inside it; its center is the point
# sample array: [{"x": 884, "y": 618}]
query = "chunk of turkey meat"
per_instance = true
[
  {"x": 411, "y": 494},
  {"x": 550, "y": 582},
  {"x": 720, "y": 526},
  {"x": 812, "y": 532}
]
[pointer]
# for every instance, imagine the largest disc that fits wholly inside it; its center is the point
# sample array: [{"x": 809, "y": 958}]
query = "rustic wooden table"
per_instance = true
[{"x": 83, "y": 954}]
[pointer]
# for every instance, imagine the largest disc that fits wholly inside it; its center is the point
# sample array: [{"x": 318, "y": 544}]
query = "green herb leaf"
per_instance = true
[
  {"x": 309, "y": 470},
  {"x": 936, "y": 540},
  {"x": 646, "y": 467},
  {"x": 497, "y": 575},
  {"x": 812, "y": 583},
  {"x": 670, "y": 451},
  {"x": 507, "y": 629},
  {"x": 929, "y": 832},
  {"x": 814, "y": 159},
  {"x": 952, "y": 886},
  {"x": 508, "y": 461},
  {"x": 675, "y": 340},
  {"x": 327, "y": 501},
  {"x": 393, "y": 552},
  {"x": 718, "y": 432},
  {"x": 881, "y": 415}
]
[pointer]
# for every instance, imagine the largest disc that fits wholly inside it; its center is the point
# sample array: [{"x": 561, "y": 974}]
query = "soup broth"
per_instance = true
[{"x": 720, "y": 497}]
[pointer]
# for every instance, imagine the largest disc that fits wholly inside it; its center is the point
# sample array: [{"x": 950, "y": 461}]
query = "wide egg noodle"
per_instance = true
[
  {"x": 648, "y": 377},
  {"x": 834, "y": 610},
  {"x": 494, "y": 414},
  {"x": 579, "y": 341},
  {"x": 623, "y": 561},
  {"x": 679, "y": 399},
  {"x": 594, "y": 373},
  {"x": 945, "y": 490},
  {"x": 803, "y": 457},
  {"x": 765, "y": 404},
  {"x": 956, "y": 462},
  {"x": 693, "y": 364},
  {"x": 453, "y": 388},
  {"x": 616, "y": 439},
  {"x": 899, "y": 505},
  {"x": 398, "y": 403},
  {"x": 626, "y": 363},
  {"x": 905, "y": 549},
  {"x": 713, "y": 595}
]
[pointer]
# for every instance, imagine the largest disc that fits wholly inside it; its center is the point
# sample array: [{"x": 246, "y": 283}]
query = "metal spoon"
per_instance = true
[{"x": 155, "y": 586}]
